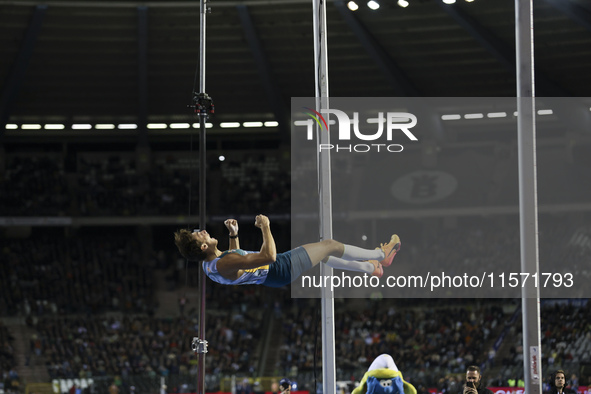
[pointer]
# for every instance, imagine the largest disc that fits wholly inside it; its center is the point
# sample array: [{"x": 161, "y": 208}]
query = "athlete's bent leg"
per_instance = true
[
  {"x": 346, "y": 257},
  {"x": 319, "y": 251}
]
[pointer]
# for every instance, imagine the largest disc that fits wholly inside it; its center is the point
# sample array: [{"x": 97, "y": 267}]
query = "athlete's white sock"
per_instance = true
[
  {"x": 357, "y": 266},
  {"x": 353, "y": 253}
]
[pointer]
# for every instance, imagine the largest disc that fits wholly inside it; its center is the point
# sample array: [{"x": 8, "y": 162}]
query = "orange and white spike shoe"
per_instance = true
[
  {"x": 379, "y": 271},
  {"x": 390, "y": 249}
]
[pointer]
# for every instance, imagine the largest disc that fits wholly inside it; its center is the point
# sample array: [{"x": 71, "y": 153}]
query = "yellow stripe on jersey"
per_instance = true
[{"x": 262, "y": 267}]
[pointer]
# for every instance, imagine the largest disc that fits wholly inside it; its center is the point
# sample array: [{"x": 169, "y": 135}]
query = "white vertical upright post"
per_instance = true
[
  {"x": 325, "y": 195},
  {"x": 202, "y": 191},
  {"x": 202, "y": 30},
  {"x": 528, "y": 209}
]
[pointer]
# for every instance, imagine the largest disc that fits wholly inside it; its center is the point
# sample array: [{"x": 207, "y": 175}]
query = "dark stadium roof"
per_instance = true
[{"x": 124, "y": 61}]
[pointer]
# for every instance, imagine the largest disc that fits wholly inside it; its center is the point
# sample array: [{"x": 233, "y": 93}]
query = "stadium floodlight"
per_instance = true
[
  {"x": 81, "y": 126},
  {"x": 127, "y": 126},
  {"x": 179, "y": 125},
  {"x": 54, "y": 126},
  {"x": 352, "y": 6},
  {"x": 229, "y": 125},
  {"x": 473, "y": 116},
  {"x": 156, "y": 126},
  {"x": 403, "y": 3},
  {"x": 104, "y": 126},
  {"x": 252, "y": 124},
  {"x": 30, "y": 126},
  {"x": 372, "y": 4},
  {"x": 451, "y": 117}
]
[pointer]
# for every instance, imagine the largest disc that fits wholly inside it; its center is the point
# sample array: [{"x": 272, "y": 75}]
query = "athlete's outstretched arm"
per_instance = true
[
  {"x": 268, "y": 249},
  {"x": 232, "y": 225},
  {"x": 232, "y": 264}
]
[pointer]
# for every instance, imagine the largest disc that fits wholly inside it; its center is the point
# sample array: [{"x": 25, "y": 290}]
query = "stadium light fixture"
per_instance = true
[
  {"x": 403, "y": 3},
  {"x": 497, "y": 115},
  {"x": 31, "y": 126},
  {"x": 104, "y": 126},
  {"x": 229, "y": 125},
  {"x": 153, "y": 126},
  {"x": 81, "y": 126},
  {"x": 179, "y": 125},
  {"x": 54, "y": 127},
  {"x": 352, "y": 6},
  {"x": 127, "y": 126},
  {"x": 372, "y": 4},
  {"x": 252, "y": 124},
  {"x": 473, "y": 116}
]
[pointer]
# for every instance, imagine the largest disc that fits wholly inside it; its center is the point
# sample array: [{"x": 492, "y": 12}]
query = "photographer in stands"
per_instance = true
[{"x": 474, "y": 382}]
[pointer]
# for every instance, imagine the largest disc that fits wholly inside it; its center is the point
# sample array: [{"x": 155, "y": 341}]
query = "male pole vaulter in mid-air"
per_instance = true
[{"x": 272, "y": 269}]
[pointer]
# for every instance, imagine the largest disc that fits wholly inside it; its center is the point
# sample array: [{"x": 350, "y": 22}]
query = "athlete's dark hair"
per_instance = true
[{"x": 188, "y": 246}]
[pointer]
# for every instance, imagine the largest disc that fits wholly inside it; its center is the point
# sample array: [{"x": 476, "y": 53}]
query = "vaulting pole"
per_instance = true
[
  {"x": 528, "y": 202},
  {"x": 325, "y": 196}
]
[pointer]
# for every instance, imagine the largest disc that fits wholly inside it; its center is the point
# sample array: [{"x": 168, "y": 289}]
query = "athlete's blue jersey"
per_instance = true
[{"x": 249, "y": 277}]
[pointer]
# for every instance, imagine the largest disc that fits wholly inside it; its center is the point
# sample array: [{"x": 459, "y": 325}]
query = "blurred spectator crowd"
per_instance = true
[
  {"x": 131, "y": 345},
  {"x": 113, "y": 185},
  {"x": 49, "y": 274},
  {"x": 10, "y": 379},
  {"x": 425, "y": 341}
]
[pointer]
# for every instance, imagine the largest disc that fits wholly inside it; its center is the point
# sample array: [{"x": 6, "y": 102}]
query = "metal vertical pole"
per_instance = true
[
  {"x": 202, "y": 191},
  {"x": 528, "y": 210},
  {"x": 325, "y": 196}
]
